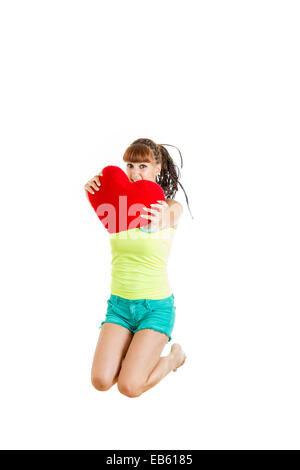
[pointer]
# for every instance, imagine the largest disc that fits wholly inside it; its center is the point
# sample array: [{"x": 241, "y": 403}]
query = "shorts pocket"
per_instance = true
[
  {"x": 161, "y": 304},
  {"x": 113, "y": 300}
]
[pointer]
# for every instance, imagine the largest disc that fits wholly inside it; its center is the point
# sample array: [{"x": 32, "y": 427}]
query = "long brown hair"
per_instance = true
[{"x": 145, "y": 150}]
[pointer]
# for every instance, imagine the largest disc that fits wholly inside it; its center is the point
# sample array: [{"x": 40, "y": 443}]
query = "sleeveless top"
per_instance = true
[{"x": 139, "y": 263}]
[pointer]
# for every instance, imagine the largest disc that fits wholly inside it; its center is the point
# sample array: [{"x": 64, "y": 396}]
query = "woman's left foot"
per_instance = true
[{"x": 179, "y": 355}]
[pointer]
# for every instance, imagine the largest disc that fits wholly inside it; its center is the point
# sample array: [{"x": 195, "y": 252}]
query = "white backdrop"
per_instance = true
[{"x": 80, "y": 80}]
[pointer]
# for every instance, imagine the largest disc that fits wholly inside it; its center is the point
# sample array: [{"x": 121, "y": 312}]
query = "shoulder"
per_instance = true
[{"x": 173, "y": 203}]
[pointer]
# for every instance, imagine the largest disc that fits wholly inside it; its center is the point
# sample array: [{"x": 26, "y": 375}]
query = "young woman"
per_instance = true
[{"x": 141, "y": 311}]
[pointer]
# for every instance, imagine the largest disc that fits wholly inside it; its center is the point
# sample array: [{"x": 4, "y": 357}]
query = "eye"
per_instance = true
[{"x": 129, "y": 165}]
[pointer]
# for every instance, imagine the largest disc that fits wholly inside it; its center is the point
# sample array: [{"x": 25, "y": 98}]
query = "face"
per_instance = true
[{"x": 142, "y": 171}]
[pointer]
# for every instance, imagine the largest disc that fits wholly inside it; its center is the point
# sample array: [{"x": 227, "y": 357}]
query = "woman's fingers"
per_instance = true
[
  {"x": 94, "y": 185},
  {"x": 160, "y": 206},
  {"x": 97, "y": 180},
  {"x": 147, "y": 209},
  {"x": 90, "y": 186},
  {"x": 88, "y": 189}
]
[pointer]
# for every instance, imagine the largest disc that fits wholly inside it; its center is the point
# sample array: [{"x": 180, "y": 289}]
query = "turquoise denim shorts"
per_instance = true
[{"x": 138, "y": 314}]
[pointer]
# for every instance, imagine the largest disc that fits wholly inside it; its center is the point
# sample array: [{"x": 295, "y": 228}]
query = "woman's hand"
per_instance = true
[
  {"x": 92, "y": 184},
  {"x": 160, "y": 217}
]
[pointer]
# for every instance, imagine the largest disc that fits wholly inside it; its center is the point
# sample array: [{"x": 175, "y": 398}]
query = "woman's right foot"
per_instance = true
[{"x": 178, "y": 354}]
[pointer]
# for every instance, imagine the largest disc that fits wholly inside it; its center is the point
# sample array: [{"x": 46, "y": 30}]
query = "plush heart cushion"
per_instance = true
[{"x": 119, "y": 202}]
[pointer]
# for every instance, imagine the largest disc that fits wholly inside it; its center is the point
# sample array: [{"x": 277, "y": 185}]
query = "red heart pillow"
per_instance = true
[{"x": 119, "y": 202}]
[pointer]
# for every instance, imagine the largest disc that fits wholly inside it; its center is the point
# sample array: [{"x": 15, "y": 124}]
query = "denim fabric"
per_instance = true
[{"x": 138, "y": 314}]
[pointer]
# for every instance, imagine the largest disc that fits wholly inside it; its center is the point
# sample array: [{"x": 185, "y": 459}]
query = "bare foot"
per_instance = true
[{"x": 178, "y": 354}]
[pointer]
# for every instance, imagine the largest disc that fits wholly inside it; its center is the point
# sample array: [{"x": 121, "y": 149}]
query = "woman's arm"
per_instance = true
[
  {"x": 175, "y": 211},
  {"x": 163, "y": 214}
]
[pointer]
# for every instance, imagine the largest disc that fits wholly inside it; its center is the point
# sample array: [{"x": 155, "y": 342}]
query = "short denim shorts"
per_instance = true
[{"x": 138, "y": 314}]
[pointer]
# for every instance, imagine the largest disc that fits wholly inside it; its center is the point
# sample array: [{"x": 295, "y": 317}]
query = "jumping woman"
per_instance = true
[{"x": 141, "y": 311}]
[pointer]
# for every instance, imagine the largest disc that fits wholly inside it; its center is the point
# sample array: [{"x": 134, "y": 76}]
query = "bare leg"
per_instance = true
[
  {"x": 175, "y": 359},
  {"x": 113, "y": 343},
  {"x": 143, "y": 366}
]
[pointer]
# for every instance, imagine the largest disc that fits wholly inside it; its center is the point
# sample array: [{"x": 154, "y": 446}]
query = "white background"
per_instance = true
[{"x": 80, "y": 80}]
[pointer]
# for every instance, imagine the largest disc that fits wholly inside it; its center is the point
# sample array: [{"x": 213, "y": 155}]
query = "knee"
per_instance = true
[
  {"x": 130, "y": 389},
  {"x": 101, "y": 383}
]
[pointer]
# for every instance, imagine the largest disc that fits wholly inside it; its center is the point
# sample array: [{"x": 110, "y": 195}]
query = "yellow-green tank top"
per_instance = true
[{"x": 139, "y": 263}]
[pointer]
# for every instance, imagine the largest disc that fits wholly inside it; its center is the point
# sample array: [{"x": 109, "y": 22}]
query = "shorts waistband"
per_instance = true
[{"x": 124, "y": 301}]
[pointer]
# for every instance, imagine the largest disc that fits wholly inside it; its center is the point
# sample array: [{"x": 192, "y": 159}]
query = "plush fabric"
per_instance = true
[{"x": 119, "y": 202}]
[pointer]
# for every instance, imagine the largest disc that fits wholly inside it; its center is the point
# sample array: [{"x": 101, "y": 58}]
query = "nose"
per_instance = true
[{"x": 135, "y": 177}]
